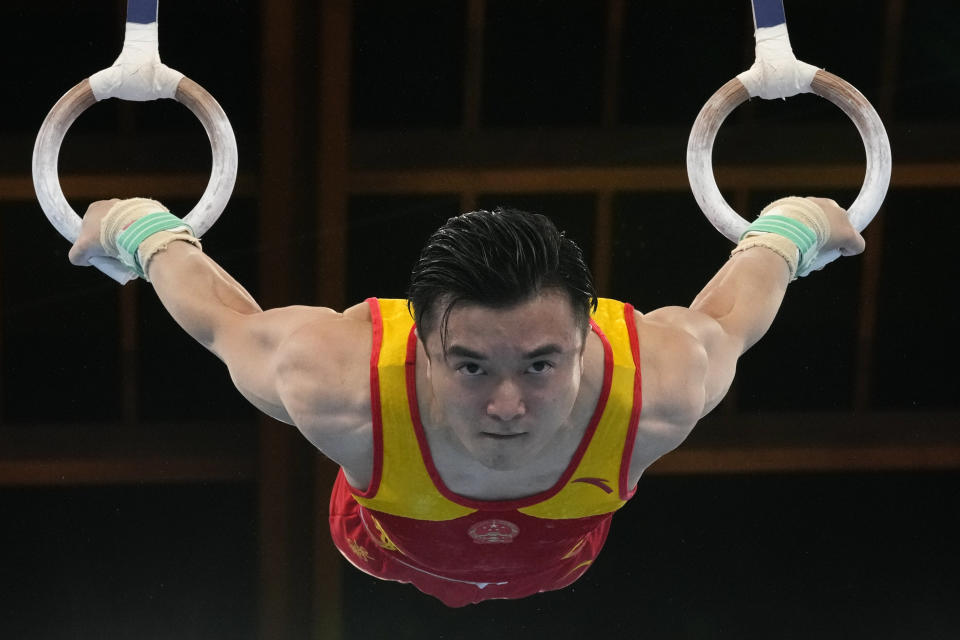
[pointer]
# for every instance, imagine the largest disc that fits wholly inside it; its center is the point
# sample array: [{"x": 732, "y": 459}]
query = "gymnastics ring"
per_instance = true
[
  {"x": 836, "y": 90},
  {"x": 46, "y": 152}
]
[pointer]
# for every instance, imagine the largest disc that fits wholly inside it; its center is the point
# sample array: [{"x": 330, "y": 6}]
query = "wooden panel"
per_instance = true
[
  {"x": 825, "y": 458},
  {"x": 525, "y": 179},
  {"x": 2, "y": 310},
  {"x": 335, "y": 30},
  {"x": 115, "y": 454},
  {"x": 91, "y": 186},
  {"x": 284, "y": 605},
  {"x": 603, "y": 216},
  {"x": 603, "y": 241},
  {"x": 128, "y": 468},
  {"x": 817, "y": 441},
  {"x": 649, "y": 178},
  {"x": 873, "y": 259},
  {"x": 333, "y": 146},
  {"x": 723, "y": 442}
]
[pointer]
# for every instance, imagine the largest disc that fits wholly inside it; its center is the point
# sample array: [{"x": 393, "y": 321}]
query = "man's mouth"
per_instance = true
[{"x": 503, "y": 436}]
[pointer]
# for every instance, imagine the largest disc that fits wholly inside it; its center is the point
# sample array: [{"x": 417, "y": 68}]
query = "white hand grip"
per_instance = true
[{"x": 113, "y": 268}]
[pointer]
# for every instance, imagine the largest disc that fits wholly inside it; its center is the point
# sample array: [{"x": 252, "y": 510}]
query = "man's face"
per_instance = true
[{"x": 507, "y": 383}]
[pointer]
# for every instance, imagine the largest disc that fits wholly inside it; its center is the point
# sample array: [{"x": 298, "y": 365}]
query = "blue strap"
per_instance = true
[
  {"x": 766, "y": 13},
  {"x": 142, "y": 11}
]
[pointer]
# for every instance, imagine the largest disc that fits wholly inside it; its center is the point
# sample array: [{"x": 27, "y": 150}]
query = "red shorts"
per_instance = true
[{"x": 352, "y": 536}]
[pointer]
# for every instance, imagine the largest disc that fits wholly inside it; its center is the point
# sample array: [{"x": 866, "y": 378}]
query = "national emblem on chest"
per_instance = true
[{"x": 493, "y": 531}]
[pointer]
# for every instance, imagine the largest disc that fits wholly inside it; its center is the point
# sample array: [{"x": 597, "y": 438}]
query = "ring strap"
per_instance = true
[{"x": 768, "y": 13}]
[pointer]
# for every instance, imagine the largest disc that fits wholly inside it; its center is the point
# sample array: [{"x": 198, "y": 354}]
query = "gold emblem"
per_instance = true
[
  {"x": 493, "y": 532},
  {"x": 385, "y": 540},
  {"x": 359, "y": 551}
]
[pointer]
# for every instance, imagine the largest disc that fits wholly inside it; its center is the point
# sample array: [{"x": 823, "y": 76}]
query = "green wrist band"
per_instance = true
[
  {"x": 793, "y": 230},
  {"x": 130, "y": 238}
]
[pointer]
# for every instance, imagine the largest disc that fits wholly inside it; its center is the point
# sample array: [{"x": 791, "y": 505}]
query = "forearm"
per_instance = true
[
  {"x": 745, "y": 295},
  {"x": 736, "y": 308},
  {"x": 199, "y": 295},
  {"x": 260, "y": 348}
]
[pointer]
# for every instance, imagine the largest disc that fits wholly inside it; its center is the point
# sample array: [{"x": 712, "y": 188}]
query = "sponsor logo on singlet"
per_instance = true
[
  {"x": 493, "y": 532},
  {"x": 597, "y": 482}
]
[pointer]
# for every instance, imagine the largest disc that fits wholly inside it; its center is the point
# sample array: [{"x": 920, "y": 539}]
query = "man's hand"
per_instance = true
[
  {"x": 88, "y": 242},
  {"x": 843, "y": 237}
]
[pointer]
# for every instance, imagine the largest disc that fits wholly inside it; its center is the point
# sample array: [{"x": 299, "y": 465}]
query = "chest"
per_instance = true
[
  {"x": 418, "y": 473},
  {"x": 466, "y": 477}
]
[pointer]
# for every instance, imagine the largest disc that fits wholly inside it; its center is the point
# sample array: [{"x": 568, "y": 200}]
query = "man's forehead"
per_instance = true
[
  {"x": 456, "y": 350},
  {"x": 534, "y": 327},
  {"x": 548, "y": 301}
]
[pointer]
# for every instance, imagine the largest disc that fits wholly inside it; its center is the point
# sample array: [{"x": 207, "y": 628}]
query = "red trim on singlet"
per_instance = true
[
  {"x": 505, "y": 505},
  {"x": 628, "y": 445},
  {"x": 376, "y": 320}
]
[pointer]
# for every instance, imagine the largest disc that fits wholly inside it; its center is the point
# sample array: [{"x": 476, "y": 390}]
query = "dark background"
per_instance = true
[{"x": 142, "y": 497}]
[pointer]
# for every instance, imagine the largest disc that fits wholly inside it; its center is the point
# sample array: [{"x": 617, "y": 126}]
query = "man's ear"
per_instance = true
[{"x": 424, "y": 343}]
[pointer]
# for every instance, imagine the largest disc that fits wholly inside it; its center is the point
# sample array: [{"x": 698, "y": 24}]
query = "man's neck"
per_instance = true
[{"x": 465, "y": 475}]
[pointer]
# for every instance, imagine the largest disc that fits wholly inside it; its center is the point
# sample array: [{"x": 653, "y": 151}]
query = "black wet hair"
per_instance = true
[{"x": 496, "y": 259}]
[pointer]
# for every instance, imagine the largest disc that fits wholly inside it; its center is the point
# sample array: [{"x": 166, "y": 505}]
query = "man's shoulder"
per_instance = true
[
  {"x": 327, "y": 332},
  {"x": 665, "y": 335},
  {"x": 325, "y": 381},
  {"x": 359, "y": 312},
  {"x": 325, "y": 365},
  {"x": 673, "y": 365}
]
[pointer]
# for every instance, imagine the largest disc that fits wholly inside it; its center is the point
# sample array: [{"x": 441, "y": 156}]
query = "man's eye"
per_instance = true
[
  {"x": 470, "y": 369},
  {"x": 540, "y": 367}
]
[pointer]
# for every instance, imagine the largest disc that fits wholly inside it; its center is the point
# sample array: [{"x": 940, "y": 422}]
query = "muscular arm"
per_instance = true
[
  {"x": 732, "y": 312},
  {"x": 301, "y": 365},
  {"x": 306, "y": 366},
  {"x": 219, "y": 313},
  {"x": 690, "y": 354}
]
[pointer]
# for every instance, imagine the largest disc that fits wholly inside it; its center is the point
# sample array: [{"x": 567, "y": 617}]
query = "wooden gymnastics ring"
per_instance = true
[
  {"x": 836, "y": 90},
  {"x": 142, "y": 21}
]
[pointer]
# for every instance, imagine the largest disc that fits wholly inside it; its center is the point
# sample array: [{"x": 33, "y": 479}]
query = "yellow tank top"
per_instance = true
[{"x": 405, "y": 481}]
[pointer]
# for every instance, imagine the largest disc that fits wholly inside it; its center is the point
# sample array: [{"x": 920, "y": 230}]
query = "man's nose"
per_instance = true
[{"x": 506, "y": 402}]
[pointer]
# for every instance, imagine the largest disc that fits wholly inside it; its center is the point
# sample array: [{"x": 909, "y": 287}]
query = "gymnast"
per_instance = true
[{"x": 487, "y": 427}]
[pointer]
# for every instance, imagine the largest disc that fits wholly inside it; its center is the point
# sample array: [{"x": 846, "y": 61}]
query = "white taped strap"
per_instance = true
[
  {"x": 121, "y": 215},
  {"x": 801, "y": 261},
  {"x": 802, "y": 210},
  {"x": 778, "y": 244},
  {"x": 137, "y": 74},
  {"x": 776, "y": 73}
]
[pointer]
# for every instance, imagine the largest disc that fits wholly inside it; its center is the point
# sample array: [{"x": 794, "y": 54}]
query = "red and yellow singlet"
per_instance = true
[{"x": 409, "y": 527}]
